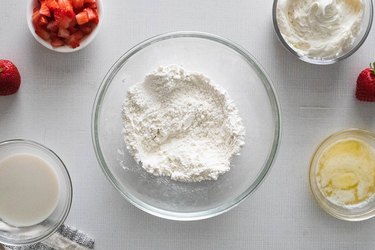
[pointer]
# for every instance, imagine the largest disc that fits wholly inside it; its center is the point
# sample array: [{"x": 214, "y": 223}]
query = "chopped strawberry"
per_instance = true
[
  {"x": 62, "y": 18},
  {"x": 65, "y": 22},
  {"x": 35, "y": 18},
  {"x": 74, "y": 39},
  {"x": 73, "y": 23},
  {"x": 78, "y": 4},
  {"x": 42, "y": 33},
  {"x": 43, "y": 21},
  {"x": 82, "y": 17},
  {"x": 52, "y": 26},
  {"x": 72, "y": 29},
  {"x": 96, "y": 19},
  {"x": 52, "y": 4},
  {"x": 91, "y": 14},
  {"x": 63, "y": 33},
  {"x": 44, "y": 10},
  {"x": 86, "y": 28},
  {"x": 77, "y": 35},
  {"x": 56, "y": 42},
  {"x": 67, "y": 6}
]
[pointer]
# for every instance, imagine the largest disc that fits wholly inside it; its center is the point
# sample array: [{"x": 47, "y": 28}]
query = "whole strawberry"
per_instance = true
[
  {"x": 365, "y": 90},
  {"x": 10, "y": 79}
]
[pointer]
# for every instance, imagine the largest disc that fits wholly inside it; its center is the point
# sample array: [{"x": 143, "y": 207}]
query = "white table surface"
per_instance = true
[{"x": 54, "y": 106}]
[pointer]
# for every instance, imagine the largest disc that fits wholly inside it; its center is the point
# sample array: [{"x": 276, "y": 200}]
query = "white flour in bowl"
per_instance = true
[{"x": 180, "y": 124}]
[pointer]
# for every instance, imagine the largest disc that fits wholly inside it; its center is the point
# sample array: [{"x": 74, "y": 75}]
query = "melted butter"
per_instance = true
[{"x": 346, "y": 172}]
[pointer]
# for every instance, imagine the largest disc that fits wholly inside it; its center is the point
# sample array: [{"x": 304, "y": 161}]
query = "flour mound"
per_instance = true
[{"x": 180, "y": 124}]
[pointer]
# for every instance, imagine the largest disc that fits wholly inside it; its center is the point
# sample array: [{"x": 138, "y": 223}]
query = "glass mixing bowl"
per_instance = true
[
  {"x": 363, "y": 211},
  {"x": 359, "y": 40},
  {"x": 227, "y": 65}
]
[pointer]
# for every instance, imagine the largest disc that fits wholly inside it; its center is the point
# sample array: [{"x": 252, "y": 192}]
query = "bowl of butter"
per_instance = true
[{"x": 342, "y": 175}]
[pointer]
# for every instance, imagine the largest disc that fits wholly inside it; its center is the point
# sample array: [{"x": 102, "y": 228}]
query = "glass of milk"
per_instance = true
[{"x": 35, "y": 192}]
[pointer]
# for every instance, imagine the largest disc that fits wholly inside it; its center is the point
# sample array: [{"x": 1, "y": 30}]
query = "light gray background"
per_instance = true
[{"x": 54, "y": 106}]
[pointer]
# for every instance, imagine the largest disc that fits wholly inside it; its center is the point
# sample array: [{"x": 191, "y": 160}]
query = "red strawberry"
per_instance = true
[
  {"x": 10, "y": 79},
  {"x": 365, "y": 90}
]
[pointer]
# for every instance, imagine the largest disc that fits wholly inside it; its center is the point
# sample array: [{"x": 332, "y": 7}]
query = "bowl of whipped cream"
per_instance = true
[
  {"x": 186, "y": 125},
  {"x": 322, "y": 31}
]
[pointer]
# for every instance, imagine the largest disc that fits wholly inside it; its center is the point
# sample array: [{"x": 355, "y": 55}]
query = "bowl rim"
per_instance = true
[
  {"x": 67, "y": 207},
  {"x": 321, "y": 61},
  {"x": 323, "y": 202},
  {"x": 267, "y": 84},
  {"x": 64, "y": 49}
]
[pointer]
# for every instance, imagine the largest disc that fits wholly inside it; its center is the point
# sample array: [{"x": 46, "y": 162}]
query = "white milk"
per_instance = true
[{"x": 29, "y": 190}]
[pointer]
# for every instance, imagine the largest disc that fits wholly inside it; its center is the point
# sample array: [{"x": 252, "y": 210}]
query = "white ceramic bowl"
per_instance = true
[{"x": 63, "y": 49}]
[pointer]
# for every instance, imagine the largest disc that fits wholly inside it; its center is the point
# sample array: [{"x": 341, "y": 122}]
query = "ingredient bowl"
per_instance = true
[
  {"x": 342, "y": 175},
  {"x": 322, "y": 32},
  {"x": 25, "y": 235},
  {"x": 229, "y": 66},
  {"x": 86, "y": 40}
]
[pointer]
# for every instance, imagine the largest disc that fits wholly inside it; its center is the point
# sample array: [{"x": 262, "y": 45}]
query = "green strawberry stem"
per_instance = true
[{"x": 372, "y": 67}]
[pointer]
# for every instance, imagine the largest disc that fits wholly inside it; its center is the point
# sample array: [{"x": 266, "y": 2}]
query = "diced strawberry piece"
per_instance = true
[
  {"x": 66, "y": 5},
  {"x": 63, "y": 33},
  {"x": 35, "y": 9},
  {"x": 74, "y": 39},
  {"x": 56, "y": 42},
  {"x": 90, "y": 1},
  {"x": 74, "y": 43},
  {"x": 53, "y": 35},
  {"x": 52, "y": 26},
  {"x": 44, "y": 10},
  {"x": 77, "y": 35},
  {"x": 86, "y": 28},
  {"x": 62, "y": 19},
  {"x": 35, "y": 18},
  {"x": 73, "y": 23},
  {"x": 96, "y": 19},
  {"x": 78, "y": 4},
  {"x": 82, "y": 17},
  {"x": 43, "y": 21},
  {"x": 42, "y": 33},
  {"x": 91, "y": 14},
  {"x": 51, "y": 4},
  {"x": 72, "y": 29}
]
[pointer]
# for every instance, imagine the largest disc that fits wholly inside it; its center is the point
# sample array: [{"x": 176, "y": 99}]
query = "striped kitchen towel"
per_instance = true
[{"x": 66, "y": 238}]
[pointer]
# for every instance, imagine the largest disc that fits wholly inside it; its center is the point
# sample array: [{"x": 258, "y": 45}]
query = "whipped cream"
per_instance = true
[{"x": 320, "y": 29}]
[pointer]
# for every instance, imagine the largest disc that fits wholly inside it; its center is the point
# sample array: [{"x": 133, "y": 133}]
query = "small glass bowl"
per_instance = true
[
  {"x": 226, "y": 64},
  {"x": 361, "y": 37},
  {"x": 353, "y": 213},
  {"x": 21, "y": 236},
  {"x": 63, "y": 49}
]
